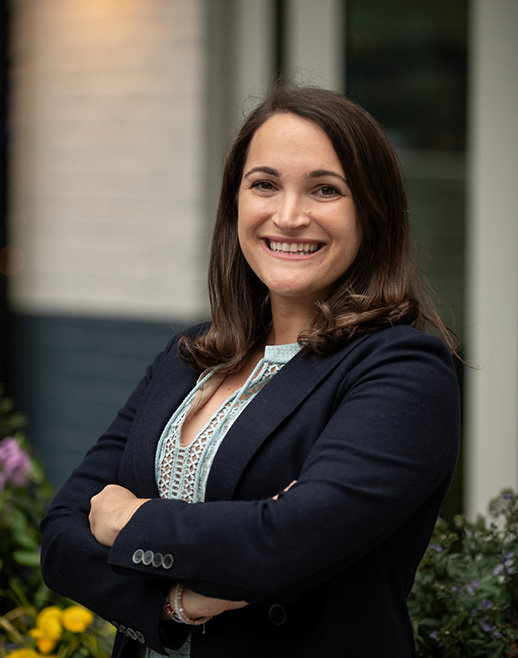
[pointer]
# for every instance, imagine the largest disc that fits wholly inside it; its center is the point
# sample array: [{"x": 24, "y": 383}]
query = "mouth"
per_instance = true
[{"x": 296, "y": 248}]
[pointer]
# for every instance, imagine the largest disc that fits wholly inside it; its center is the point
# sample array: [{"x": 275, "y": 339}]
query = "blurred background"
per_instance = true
[{"x": 116, "y": 115}]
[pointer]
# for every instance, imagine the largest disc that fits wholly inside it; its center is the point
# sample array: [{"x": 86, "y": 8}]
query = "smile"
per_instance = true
[{"x": 293, "y": 247}]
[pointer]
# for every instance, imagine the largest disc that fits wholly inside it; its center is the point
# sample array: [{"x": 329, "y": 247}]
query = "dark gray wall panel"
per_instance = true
[{"x": 72, "y": 374}]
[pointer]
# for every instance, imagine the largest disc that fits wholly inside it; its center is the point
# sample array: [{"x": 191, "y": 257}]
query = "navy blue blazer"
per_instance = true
[{"x": 370, "y": 433}]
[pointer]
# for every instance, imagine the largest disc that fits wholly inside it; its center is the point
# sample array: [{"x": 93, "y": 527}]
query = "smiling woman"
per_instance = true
[
  {"x": 303, "y": 149},
  {"x": 274, "y": 479},
  {"x": 297, "y": 223}
]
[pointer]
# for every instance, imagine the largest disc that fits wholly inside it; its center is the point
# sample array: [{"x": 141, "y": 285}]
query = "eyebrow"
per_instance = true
[
  {"x": 318, "y": 173},
  {"x": 263, "y": 170},
  {"x": 326, "y": 172}
]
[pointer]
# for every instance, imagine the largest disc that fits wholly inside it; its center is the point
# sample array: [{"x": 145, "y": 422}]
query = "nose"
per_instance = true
[{"x": 290, "y": 213}]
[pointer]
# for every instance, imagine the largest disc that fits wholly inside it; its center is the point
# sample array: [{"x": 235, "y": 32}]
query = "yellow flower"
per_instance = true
[
  {"x": 44, "y": 644},
  {"x": 49, "y": 622},
  {"x": 48, "y": 629},
  {"x": 76, "y": 619},
  {"x": 23, "y": 653}
]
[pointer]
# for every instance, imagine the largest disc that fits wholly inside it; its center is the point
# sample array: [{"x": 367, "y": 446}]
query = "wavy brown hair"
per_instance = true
[{"x": 381, "y": 287}]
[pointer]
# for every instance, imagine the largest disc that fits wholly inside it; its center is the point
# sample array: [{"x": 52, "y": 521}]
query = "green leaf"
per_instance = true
[{"x": 27, "y": 558}]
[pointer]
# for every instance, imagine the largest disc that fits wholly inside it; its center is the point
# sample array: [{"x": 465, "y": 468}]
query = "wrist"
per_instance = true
[
  {"x": 176, "y": 611},
  {"x": 133, "y": 508}
]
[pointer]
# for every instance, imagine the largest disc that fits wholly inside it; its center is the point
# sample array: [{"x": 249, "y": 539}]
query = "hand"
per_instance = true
[
  {"x": 110, "y": 510},
  {"x": 197, "y": 605}
]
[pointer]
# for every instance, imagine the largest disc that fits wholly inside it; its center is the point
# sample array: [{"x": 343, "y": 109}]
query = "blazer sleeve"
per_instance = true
[
  {"x": 389, "y": 447},
  {"x": 75, "y": 565}
]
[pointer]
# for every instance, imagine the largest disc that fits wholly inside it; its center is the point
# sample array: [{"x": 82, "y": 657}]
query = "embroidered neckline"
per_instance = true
[{"x": 182, "y": 471}]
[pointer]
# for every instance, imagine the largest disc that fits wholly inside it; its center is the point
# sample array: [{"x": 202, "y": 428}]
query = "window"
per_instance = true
[{"x": 406, "y": 64}]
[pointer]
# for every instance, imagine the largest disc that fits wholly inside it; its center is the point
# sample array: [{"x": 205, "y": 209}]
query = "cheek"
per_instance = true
[
  {"x": 358, "y": 237},
  {"x": 356, "y": 233},
  {"x": 241, "y": 229},
  {"x": 247, "y": 220},
  {"x": 244, "y": 236}
]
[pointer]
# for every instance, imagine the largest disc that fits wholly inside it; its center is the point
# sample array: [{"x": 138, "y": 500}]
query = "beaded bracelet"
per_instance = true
[
  {"x": 171, "y": 611},
  {"x": 178, "y": 613}
]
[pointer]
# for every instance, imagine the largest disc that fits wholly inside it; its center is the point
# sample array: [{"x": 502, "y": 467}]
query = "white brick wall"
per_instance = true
[{"x": 107, "y": 197}]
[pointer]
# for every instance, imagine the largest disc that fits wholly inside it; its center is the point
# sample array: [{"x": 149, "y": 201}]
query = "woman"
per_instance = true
[{"x": 317, "y": 444}]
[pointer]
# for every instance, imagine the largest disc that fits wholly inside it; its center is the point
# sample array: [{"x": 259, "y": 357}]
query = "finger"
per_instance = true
[
  {"x": 235, "y": 605},
  {"x": 284, "y": 490}
]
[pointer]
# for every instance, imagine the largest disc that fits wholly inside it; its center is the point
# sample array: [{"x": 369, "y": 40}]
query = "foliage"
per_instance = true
[
  {"x": 33, "y": 620},
  {"x": 66, "y": 631},
  {"x": 10, "y": 422},
  {"x": 464, "y": 603},
  {"x": 24, "y": 496}
]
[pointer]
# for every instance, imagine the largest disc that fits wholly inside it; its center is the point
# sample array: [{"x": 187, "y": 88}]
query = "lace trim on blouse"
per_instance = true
[{"x": 182, "y": 471}]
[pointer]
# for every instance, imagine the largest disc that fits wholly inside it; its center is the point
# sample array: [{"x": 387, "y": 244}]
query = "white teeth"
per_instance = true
[{"x": 294, "y": 247}]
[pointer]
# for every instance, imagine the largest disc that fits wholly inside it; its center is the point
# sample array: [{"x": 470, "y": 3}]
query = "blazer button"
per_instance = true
[
  {"x": 167, "y": 561},
  {"x": 132, "y": 634},
  {"x": 157, "y": 560},
  {"x": 140, "y": 637},
  {"x": 137, "y": 556},
  {"x": 277, "y": 614},
  {"x": 147, "y": 558}
]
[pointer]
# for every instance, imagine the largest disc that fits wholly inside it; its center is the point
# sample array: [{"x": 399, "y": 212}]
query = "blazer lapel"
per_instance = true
[
  {"x": 282, "y": 395},
  {"x": 169, "y": 390}
]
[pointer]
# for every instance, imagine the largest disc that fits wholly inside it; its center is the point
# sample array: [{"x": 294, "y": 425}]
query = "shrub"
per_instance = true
[
  {"x": 33, "y": 620},
  {"x": 464, "y": 603}
]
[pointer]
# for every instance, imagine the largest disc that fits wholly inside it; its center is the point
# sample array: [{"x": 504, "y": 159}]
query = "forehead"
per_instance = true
[{"x": 288, "y": 135}]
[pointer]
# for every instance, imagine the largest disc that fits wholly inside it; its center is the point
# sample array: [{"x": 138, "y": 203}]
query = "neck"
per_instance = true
[{"x": 289, "y": 320}]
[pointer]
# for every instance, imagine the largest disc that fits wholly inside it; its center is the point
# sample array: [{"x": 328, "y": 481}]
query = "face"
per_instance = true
[{"x": 297, "y": 223}]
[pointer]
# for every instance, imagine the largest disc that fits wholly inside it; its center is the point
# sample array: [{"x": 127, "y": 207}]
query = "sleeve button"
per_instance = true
[
  {"x": 148, "y": 558},
  {"x": 157, "y": 560},
  {"x": 277, "y": 614},
  {"x": 167, "y": 561},
  {"x": 137, "y": 556}
]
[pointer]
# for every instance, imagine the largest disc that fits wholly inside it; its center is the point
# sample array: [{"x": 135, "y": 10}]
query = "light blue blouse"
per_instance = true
[{"x": 182, "y": 471}]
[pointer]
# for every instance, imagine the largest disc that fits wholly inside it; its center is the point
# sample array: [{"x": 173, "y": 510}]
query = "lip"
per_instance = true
[{"x": 291, "y": 255}]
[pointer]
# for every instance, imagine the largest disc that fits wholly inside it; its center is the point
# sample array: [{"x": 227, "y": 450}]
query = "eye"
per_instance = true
[
  {"x": 328, "y": 191},
  {"x": 263, "y": 186}
]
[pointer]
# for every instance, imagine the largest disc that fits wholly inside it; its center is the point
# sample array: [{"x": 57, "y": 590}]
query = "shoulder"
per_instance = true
[
  {"x": 404, "y": 354},
  {"x": 170, "y": 356},
  {"x": 401, "y": 340},
  {"x": 171, "y": 349},
  {"x": 196, "y": 329}
]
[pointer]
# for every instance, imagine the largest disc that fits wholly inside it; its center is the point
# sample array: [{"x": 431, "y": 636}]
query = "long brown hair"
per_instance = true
[{"x": 381, "y": 288}]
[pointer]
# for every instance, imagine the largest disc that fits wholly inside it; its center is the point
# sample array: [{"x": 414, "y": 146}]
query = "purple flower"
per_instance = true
[
  {"x": 486, "y": 604},
  {"x": 15, "y": 463},
  {"x": 472, "y": 586},
  {"x": 498, "y": 569},
  {"x": 485, "y": 625},
  {"x": 437, "y": 547},
  {"x": 433, "y": 635}
]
